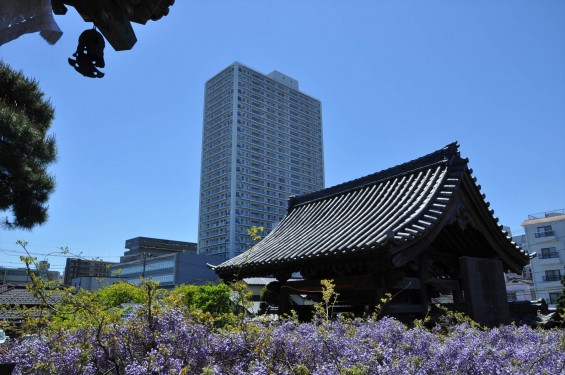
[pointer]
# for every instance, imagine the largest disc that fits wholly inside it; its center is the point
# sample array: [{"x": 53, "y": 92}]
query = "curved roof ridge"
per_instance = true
[{"x": 448, "y": 154}]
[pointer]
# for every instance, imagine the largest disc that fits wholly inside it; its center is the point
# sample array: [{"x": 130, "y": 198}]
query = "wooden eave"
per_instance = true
[{"x": 512, "y": 256}]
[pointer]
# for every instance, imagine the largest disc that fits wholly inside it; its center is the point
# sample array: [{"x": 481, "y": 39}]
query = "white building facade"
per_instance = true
[
  {"x": 520, "y": 287},
  {"x": 261, "y": 144},
  {"x": 545, "y": 236}
]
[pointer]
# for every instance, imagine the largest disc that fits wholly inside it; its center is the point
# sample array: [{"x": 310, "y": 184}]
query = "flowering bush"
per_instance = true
[{"x": 172, "y": 342}]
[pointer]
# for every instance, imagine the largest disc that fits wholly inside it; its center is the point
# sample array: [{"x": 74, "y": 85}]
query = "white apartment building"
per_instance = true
[
  {"x": 262, "y": 142},
  {"x": 520, "y": 287},
  {"x": 545, "y": 236}
]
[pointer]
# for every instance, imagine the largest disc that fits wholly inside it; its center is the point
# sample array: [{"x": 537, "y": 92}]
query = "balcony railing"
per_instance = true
[
  {"x": 545, "y": 214},
  {"x": 552, "y": 278},
  {"x": 549, "y": 255},
  {"x": 547, "y": 233}
]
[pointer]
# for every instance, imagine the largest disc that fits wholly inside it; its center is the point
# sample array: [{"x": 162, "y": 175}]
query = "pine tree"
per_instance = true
[{"x": 26, "y": 150}]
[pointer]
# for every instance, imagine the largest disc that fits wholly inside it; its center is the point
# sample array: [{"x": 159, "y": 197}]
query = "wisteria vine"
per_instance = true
[{"x": 176, "y": 344}]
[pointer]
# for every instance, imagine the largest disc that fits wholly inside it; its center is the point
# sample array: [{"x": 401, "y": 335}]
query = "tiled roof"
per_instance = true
[
  {"x": 18, "y": 294},
  {"x": 376, "y": 214}
]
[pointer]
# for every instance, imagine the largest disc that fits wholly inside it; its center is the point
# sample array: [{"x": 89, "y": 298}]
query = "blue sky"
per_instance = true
[{"x": 397, "y": 80}]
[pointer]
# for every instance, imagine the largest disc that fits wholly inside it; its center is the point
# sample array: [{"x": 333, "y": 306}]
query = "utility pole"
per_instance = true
[{"x": 145, "y": 255}]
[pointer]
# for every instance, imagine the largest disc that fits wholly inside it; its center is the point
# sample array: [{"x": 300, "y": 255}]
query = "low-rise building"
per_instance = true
[
  {"x": 76, "y": 267},
  {"x": 170, "y": 270},
  {"x": 17, "y": 302},
  {"x": 545, "y": 237},
  {"x": 20, "y": 275},
  {"x": 140, "y": 247},
  {"x": 519, "y": 288},
  {"x": 169, "y": 262},
  {"x": 94, "y": 283}
]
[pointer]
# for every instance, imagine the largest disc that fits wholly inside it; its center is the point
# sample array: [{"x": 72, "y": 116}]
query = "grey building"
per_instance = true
[
  {"x": 20, "y": 275},
  {"x": 262, "y": 142},
  {"x": 76, "y": 267},
  {"x": 140, "y": 247},
  {"x": 169, "y": 262},
  {"x": 94, "y": 283},
  {"x": 170, "y": 270}
]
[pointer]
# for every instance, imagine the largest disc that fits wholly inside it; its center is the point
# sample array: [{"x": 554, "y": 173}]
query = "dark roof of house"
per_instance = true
[
  {"x": 385, "y": 212},
  {"x": 13, "y": 294}
]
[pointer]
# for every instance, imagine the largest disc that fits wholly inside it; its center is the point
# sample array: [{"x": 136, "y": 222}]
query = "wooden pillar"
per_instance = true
[
  {"x": 283, "y": 302},
  {"x": 424, "y": 278},
  {"x": 282, "y": 278},
  {"x": 485, "y": 291}
]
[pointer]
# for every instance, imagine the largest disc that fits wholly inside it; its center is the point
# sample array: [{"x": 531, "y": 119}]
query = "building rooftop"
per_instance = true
[
  {"x": 12, "y": 294},
  {"x": 545, "y": 217},
  {"x": 546, "y": 214}
]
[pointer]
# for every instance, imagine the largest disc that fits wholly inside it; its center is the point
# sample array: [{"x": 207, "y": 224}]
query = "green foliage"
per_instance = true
[
  {"x": 301, "y": 370},
  {"x": 324, "y": 309},
  {"x": 357, "y": 369},
  {"x": 25, "y": 150},
  {"x": 211, "y": 298},
  {"x": 382, "y": 303},
  {"x": 80, "y": 310},
  {"x": 267, "y": 297},
  {"x": 256, "y": 233},
  {"x": 116, "y": 294},
  {"x": 242, "y": 296},
  {"x": 89, "y": 309},
  {"x": 442, "y": 318},
  {"x": 239, "y": 292},
  {"x": 208, "y": 304}
]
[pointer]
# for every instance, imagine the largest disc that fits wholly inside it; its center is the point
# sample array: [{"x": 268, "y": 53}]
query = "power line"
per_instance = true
[
  {"x": 57, "y": 247},
  {"x": 51, "y": 254}
]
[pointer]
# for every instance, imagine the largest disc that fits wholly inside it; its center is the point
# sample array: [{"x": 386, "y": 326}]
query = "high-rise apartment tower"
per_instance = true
[{"x": 261, "y": 144}]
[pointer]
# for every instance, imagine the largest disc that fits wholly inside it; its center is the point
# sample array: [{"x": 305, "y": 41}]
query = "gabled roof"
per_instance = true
[{"x": 395, "y": 212}]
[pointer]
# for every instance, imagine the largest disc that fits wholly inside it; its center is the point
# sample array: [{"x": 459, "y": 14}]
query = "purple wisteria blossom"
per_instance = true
[{"x": 173, "y": 343}]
